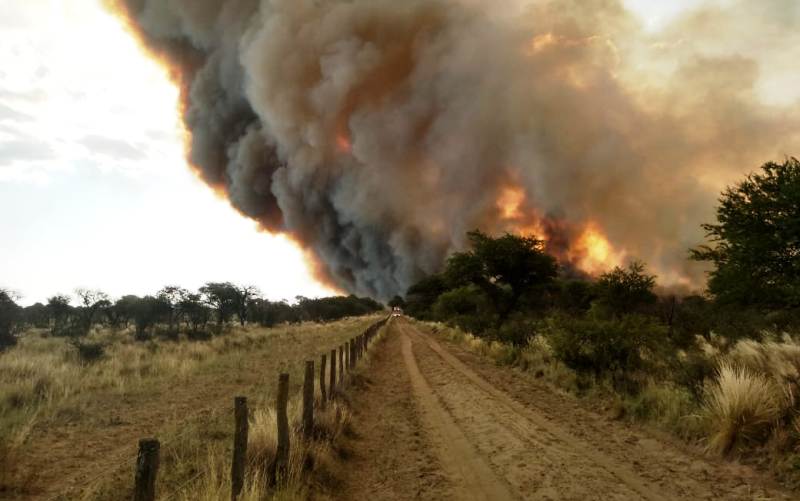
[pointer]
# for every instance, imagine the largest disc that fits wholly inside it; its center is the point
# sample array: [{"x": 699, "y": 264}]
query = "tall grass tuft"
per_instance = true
[{"x": 740, "y": 406}]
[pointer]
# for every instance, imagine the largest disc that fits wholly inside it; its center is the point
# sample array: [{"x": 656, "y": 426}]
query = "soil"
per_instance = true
[{"x": 437, "y": 422}]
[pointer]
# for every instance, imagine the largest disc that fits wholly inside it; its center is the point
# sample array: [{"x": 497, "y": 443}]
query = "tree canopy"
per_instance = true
[{"x": 755, "y": 243}]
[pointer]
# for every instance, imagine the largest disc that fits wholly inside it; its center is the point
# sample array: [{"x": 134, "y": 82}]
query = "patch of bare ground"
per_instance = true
[
  {"x": 390, "y": 455},
  {"x": 488, "y": 432}
]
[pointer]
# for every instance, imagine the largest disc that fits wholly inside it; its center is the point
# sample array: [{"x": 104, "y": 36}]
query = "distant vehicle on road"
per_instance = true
[{"x": 397, "y": 311}]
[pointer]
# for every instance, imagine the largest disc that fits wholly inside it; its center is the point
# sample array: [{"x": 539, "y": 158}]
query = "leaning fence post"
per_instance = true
[
  {"x": 322, "y": 388},
  {"x": 146, "y": 470},
  {"x": 333, "y": 373},
  {"x": 308, "y": 400},
  {"x": 282, "y": 450},
  {"x": 239, "y": 446}
]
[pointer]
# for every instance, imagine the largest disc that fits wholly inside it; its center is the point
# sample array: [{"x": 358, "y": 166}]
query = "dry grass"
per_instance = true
[
  {"x": 44, "y": 384},
  {"x": 778, "y": 358},
  {"x": 741, "y": 406},
  {"x": 310, "y": 467}
]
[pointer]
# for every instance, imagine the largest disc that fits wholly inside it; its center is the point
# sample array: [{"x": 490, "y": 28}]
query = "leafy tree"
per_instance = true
[
  {"x": 90, "y": 303},
  {"x": 421, "y": 296},
  {"x": 574, "y": 295},
  {"x": 36, "y": 315},
  {"x": 332, "y": 308},
  {"x": 62, "y": 314},
  {"x": 121, "y": 313},
  {"x": 223, "y": 298},
  {"x": 506, "y": 268},
  {"x": 194, "y": 311},
  {"x": 466, "y": 307},
  {"x": 243, "y": 296},
  {"x": 270, "y": 313},
  {"x": 10, "y": 319},
  {"x": 755, "y": 244},
  {"x": 623, "y": 291},
  {"x": 146, "y": 313},
  {"x": 170, "y": 298}
]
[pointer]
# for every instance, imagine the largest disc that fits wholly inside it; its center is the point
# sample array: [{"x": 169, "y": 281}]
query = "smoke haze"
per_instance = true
[{"x": 378, "y": 132}]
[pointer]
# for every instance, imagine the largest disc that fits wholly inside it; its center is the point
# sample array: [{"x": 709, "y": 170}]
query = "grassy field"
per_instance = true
[{"x": 70, "y": 417}]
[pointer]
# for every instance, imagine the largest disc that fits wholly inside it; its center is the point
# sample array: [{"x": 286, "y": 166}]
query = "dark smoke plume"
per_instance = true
[{"x": 378, "y": 132}]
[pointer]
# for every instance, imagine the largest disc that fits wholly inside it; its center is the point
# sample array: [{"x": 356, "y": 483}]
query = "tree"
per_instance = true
[
  {"x": 194, "y": 311},
  {"x": 622, "y": 291},
  {"x": 421, "y": 296},
  {"x": 506, "y": 268},
  {"x": 170, "y": 297},
  {"x": 90, "y": 301},
  {"x": 755, "y": 244},
  {"x": 146, "y": 313},
  {"x": 223, "y": 298},
  {"x": 36, "y": 315},
  {"x": 10, "y": 318},
  {"x": 242, "y": 297},
  {"x": 122, "y": 311},
  {"x": 62, "y": 314}
]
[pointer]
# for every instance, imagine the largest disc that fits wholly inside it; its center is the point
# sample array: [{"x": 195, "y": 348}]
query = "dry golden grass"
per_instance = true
[
  {"x": 45, "y": 385},
  {"x": 740, "y": 406}
]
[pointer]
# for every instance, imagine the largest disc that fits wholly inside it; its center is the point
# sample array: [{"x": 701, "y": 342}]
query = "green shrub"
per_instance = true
[{"x": 592, "y": 345}]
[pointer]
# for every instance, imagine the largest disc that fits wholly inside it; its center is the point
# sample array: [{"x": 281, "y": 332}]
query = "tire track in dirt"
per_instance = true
[
  {"x": 536, "y": 442},
  {"x": 538, "y": 460},
  {"x": 471, "y": 476}
]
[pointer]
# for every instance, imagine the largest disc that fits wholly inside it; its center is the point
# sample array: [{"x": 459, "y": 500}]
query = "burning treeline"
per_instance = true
[{"x": 377, "y": 133}]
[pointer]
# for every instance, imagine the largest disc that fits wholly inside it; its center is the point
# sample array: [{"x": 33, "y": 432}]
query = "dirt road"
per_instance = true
[{"x": 439, "y": 423}]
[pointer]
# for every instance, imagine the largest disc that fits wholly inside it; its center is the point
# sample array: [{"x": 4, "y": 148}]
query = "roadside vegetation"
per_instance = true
[{"x": 720, "y": 369}]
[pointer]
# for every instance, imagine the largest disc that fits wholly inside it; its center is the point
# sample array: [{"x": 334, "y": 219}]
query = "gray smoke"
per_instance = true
[{"x": 378, "y": 132}]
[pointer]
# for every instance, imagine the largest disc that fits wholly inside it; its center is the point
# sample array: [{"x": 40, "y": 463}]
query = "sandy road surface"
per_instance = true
[{"x": 483, "y": 432}]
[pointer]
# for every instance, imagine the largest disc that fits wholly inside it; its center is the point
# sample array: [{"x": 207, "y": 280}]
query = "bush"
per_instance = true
[
  {"x": 515, "y": 331},
  {"x": 670, "y": 406},
  {"x": 89, "y": 352},
  {"x": 740, "y": 407},
  {"x": 604, "y": 346},
  {"x": 466, "y": 307}
]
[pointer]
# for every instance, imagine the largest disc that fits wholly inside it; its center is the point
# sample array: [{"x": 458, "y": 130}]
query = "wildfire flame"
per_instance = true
[
  {"x": 584, "y": 246},
  {"x": 343, "y": 143},
  {"x": 593, "y": 252}
]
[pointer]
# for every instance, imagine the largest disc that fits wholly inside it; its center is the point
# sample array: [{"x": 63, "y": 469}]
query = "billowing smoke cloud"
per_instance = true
[{"x": 378, "y": 132}]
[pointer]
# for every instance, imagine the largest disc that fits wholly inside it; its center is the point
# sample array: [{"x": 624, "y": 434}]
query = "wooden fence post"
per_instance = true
[
  {"x": 282, "y": 450},
  {"x": 308, "y": 400},
  {"x": 347, "y": 355},
  {"x": 341, "y": 364},
  {"x": 239, "y": 446},
  {"x": 146, "y": 470},
  {"x": 322, "y": 388},
  {"x": 333, "y": 373}
]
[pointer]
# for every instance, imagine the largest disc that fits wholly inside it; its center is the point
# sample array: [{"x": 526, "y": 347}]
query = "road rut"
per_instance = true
[{"x": 495, "y": 436}]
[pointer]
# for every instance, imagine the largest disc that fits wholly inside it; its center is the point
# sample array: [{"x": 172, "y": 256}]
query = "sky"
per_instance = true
[{"x": 94, "y": 188}]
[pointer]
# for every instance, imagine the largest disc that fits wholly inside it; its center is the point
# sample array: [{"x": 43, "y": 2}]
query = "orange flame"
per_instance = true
[
  {"x": 584, "y": 246},
  {"x": 593, "y": 253},
  {"x": 343, "y": 143}
]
